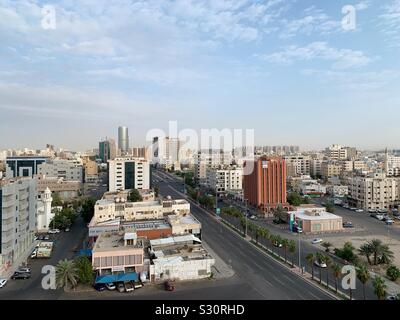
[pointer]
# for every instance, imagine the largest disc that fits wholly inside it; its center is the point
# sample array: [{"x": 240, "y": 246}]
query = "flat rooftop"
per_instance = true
[
  {"x": 318, "y": 215},
  {"x": 114, "y": 241}
]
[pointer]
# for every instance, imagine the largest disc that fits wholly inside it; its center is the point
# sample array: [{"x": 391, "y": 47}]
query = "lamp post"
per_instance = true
[
  {"x": 245, "y": 215},
  {"x": 299, "y": 252}
]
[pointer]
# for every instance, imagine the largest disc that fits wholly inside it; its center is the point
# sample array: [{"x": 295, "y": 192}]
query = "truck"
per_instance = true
[{"x": 44, "y": 250}]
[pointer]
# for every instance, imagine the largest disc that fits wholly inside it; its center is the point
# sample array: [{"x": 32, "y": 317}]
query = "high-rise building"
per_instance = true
[
  {"x": 128, "y": 173},
  {"x": 18, "y": 202},
  {"x": 264, "y": 183},
  {"x": 69, "y": 170},
  {"x": 107, "y": 150},
  {"x": 123, "y": 139}
]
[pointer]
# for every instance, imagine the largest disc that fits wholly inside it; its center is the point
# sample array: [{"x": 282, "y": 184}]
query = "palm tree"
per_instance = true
[
  {"x": 364, "y": 276},
  {"x": 320, "y": 259},
  {"x": 337, "y": 272},
  {"x": 66, "y": 274},
  {"x": 292, "y": 250},
  {"x": 386, "y": 255},
  {"x": 310, "y": 260},
  {"x": 375, "y": 246},
  {"x": 258, "y": 232},
  {"x": 328, "y": 262},
  {"x": 366, "y": 251},
  {"x": 285, "y": 245},
  {"x": 379, "y": 287}
]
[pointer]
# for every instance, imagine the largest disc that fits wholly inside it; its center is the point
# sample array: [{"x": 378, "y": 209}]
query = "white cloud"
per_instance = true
[
  {"x": 340, "y": 58},
  {"x": 390, "y": 22}
]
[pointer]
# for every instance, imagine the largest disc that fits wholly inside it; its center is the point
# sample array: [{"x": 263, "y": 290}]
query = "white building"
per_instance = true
[
  {"x": 18, "y": 222},
  {"x": 312, "y": 187},
  {"x": 374, "y": 192},
  {"x": 225, "y": 179},
  {"x": 338, "y": 191},
  {"x": 69, "y": 170},
  {"x": 210, "y": 160},
  {"x": 297, "y": 165},
  {"x": 128, "y": 173},
  {"x": 44, "y": 213},
  {"x": 106, "y": 210}
]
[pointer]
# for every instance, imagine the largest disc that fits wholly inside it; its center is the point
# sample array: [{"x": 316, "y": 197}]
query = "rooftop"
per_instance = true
[
  {"x": 113, "y": 241},
  {"x": 314, "y": 215}
]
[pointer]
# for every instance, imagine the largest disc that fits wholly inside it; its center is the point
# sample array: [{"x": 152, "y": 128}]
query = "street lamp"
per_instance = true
[
  {"x": 245, "y": 215},
  {"x": 299, "y": 251}
]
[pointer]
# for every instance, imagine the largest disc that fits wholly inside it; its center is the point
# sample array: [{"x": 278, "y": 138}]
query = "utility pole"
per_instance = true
[
  {"x": 246, "y": 217},
  {"x": 299, "y": 252}
]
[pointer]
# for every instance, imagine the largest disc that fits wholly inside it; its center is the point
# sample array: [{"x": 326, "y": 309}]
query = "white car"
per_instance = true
[
  {"x": 359, "y": 210},
  {"x": 54, "y": 231},
  {"x": 317, "y": 241},
  {"x": 389, "y": 222},
  {"x": 111, "y": 286},
  {"x": 2, "y": 282},
  {"x": 34, "y": 254},
  {"x": 24, "y": 270},
  {"x": 320, "y": 264}
]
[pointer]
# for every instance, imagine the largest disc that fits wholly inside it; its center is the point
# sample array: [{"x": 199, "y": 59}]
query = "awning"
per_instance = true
[{"x": 110, "y": 278}]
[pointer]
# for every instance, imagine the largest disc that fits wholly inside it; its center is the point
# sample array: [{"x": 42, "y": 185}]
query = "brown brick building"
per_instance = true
[{"x": 265, "y": 185}]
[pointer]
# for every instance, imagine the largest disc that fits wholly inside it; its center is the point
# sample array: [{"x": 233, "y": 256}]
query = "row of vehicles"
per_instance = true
[{"x": 128, "y": 286}]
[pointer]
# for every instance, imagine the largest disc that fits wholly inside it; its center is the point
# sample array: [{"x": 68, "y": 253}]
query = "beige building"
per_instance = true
[
  {"x": 316, "y": 220},
  {"x": 374, "y": 192},
  {"x": 298, "y": 165},
  {"x": 105, "y": 210},
  {"x": 329, "y": 169}
]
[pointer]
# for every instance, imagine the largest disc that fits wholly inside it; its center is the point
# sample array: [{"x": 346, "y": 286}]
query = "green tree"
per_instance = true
[
  {"x": 320, "y": 258},
  {"x": 285, "y": 245},
  {"x": 336, "y": 272},
  {"x": 380, "y": 287},
  {"x": 366, "y": 251},
  {"x": 363, "y": 275},
  {"x": 280, "y": 215},
  {"x": 310, "y": 258},
  {"x": 330, "y": 207},
  {"x": 347, "y": 252},
  {"x": 57, "y": 201},
  {"x": 66, "y": 274},
  {"x": 393, "y": 273},
  {"x": 294, "y": 199},
  {"x": 134, "y": 196},
  {"x": 156, "y": 191},
  {"x": 88, "y": 209},
  {"x": 84, "y": 270},
  {"x": 328, "y": 263},
  {"x": 380, "y": 252}
]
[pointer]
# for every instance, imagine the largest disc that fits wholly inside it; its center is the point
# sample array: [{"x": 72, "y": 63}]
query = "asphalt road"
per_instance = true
[{"x": 266, "y": 276}]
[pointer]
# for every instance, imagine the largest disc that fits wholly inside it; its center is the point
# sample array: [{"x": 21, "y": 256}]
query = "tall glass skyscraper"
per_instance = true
[{"x": 123, "y": 139}]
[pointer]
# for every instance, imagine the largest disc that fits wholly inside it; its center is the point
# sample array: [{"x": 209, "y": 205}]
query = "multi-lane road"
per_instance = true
[{"x": 268, "y": 278}]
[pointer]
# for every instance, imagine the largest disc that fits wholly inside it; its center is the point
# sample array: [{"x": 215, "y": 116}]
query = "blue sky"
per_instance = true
[{"x": 286, "y": 68}]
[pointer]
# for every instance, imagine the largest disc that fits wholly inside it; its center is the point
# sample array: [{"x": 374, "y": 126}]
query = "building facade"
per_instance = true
[
  {"x": 18, "y": 205},
  {"x": 123, "y": 139},
  {"x": 107, "y": 150},
  {"x": 23, "y": 166},
  {"x": 128, "y": 173},
  {"x": 68, "y": 170},
  {"x": 264, "y": 183}
]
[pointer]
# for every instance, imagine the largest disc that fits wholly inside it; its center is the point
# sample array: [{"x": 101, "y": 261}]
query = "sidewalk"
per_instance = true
[
  {"x": 392, "y": 287},
  {"x": 220, "y": 270}
]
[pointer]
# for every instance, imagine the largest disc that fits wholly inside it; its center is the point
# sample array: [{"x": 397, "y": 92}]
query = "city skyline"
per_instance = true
[{"x": 286, "y": 69}]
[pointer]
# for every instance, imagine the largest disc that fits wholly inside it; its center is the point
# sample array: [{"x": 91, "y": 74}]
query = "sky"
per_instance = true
[{"x": 298, "y": 72}]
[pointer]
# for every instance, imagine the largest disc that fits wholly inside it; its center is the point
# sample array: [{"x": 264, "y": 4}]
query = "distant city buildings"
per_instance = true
[
  {"x": 107, "y": 150},
  {"x": 123, "y": 140},
  {"x": 23, "y": 166},
  {"x": 69, "y": 170}
]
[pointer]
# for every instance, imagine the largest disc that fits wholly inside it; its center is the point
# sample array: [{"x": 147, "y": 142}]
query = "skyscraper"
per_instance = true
[
  {"x": 107, "y": 150},
  {"x": 265, "y": 186},
  {"x": 123, "y": 139}
]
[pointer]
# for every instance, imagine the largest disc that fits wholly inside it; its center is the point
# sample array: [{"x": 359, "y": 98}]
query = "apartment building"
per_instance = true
[
  {"x": 298, "y": 165},
  {"x": 225, "y": 179},
  {"x": 210, "y": 160},
  {"x": 66, "y": 190},
  {"x": 264, "y": 183},
  {"x": 69, "y": 170},
  {"x": 128, "y": 173},
  {"x": 330, "y": 169},
  {"x": 316, "y": 167},
  {"x": 18, "y": 205},
  {"x": 375, "y": 192}
]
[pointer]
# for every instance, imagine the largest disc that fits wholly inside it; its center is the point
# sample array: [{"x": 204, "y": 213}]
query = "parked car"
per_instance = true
[
  {"x": 398, "y": 218},
  {"x": 297, "y": 230},
  {"x": 99, "y": 287},
  {"x": 138, "y": 286},
  {"x": 320, "y": 264},
  {"x": 359, "y": 210},
  {"x": 47, "y": 237},
  {"x": 392, "y": 298},
  {"x": 379, "y": 217},
  {"x": 120, "y": 287},
  {"x": 111, "y": 286},
  {"x": 353, "y": 209},
  {"x": 346, "y": 206},
  {"x": 2, "y": 282},
  {"x": 169, "y": 286},
  {"x": 34, "y": 254},
  {"x": 67, "y": 230},
  {"x": 129, "y": 286},
  {"x": 54, "y": 231},
  {"x": 389, "y": 222},
  {"x": 348, "y": 224},
  {"x": 41, "y": 237},
  {"x": 382, "y": 211},
  {"x": 372, "y": 211},
  {"x": 317, "y": 241},
  {"x": 278, "y": 245},
  {"x": 20, "y": 275},
  {"x": 24, "y": 270}
]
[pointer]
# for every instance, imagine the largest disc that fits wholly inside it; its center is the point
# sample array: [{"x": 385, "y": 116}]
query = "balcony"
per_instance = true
[
  {"x": 7, "y": 237},
  {"x": 8, "y": 213},
  {"x": 8, "y": 202}
]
